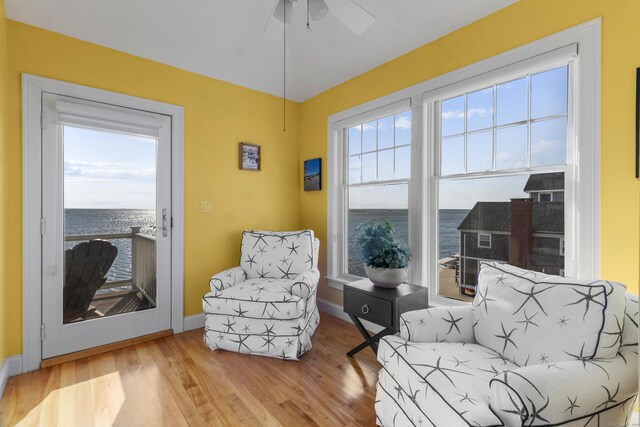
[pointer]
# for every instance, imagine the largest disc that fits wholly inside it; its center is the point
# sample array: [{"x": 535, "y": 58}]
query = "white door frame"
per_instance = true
[{"x": 32, "y": 88}]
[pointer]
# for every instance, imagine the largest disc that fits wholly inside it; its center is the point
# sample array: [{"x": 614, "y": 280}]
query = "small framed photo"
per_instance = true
[
  {"x": 313, "y": 175},
  {"x": 249, "y": 157}
]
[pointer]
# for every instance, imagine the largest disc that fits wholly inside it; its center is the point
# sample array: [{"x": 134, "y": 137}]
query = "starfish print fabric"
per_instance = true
[
  {"x": 277, "y": 255},
  {"x": 531, "y": 317},
  {"x": 445, "y": 382},
  {"x": 437, "y": 372},
  {"x": 270, "y": 315}
]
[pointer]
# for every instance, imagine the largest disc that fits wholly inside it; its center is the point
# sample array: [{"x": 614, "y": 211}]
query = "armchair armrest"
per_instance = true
[
  {"x": 306, "y": 283},
  {"x": 227, "y": 279},
  {"x": 305, "y": 286},
  {"x": 438, "y": 324},
  {"x": 555, "y": 393}
]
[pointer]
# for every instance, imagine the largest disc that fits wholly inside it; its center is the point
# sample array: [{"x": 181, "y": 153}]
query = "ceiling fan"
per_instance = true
[{"x": 350, "y": 13}]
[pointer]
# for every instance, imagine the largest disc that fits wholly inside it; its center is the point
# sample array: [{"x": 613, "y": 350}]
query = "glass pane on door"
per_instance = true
[{"x": 109, "y": 223}]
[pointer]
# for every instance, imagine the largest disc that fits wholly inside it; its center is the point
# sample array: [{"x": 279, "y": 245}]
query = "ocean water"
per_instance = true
[
  {"x": 448, "y": 222},
  {"x": 110, "y": 221}
]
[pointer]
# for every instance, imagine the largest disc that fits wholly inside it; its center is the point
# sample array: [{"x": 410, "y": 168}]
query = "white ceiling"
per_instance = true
[{"x": 223, "y": 38}]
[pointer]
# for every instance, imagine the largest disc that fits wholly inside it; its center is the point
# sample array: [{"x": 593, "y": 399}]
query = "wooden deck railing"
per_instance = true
[{"x": 143, "y": 261}]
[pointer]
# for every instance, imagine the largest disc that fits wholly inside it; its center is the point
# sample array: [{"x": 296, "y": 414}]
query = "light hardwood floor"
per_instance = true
[{"x": 178, "y": 381}]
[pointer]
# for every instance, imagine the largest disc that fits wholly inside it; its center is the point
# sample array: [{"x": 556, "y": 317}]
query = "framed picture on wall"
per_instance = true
[
  {"x": 249, "y": 157},
  {"x": 313, "y": 175}
]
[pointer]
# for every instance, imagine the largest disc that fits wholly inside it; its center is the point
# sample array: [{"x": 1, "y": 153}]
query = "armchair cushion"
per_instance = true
[
  {"x": 556, "y": 393},
  {"x": 447, "y": 379},
  {"x": 531, "y": 317},
  {"x": 267, "y": 299},
  {"x": 438, "y": 324},
  {"x": 277, "y": 255}
]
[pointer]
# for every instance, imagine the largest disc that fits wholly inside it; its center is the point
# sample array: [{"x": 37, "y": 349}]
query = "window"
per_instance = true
[
  {"x": 544, "y": 197},
  {"x": 378, "y": 157},
  {"x": 495, "y": 172},
  {"x": 484, "y": 240},
  {"x": 499, "y": 146}
]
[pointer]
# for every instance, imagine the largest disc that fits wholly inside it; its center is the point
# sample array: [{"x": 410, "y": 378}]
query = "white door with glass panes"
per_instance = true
[{"x": 106, "y": 231}]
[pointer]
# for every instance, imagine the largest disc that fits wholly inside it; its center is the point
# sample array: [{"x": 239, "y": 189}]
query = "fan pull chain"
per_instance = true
[
  {"x": 284, "y": 71},
  {"x": 308, "y": 15}
]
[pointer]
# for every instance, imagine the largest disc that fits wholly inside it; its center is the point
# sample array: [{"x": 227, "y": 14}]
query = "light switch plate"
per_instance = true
[{"x": 206, "y": 206}]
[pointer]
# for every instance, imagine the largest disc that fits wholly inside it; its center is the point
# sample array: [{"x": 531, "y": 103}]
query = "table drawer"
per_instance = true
[{"x": 368, "y": 307}]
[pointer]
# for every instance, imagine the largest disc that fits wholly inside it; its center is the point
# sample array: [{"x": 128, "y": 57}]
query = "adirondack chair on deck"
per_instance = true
[{"x": 85, "y": 270}]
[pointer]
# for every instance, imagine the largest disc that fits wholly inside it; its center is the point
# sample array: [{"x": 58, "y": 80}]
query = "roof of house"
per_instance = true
[
  {"x": 548, "y": 217},
  {"x": 488, "y": 216},
  {"x": 545, "y": 182}
]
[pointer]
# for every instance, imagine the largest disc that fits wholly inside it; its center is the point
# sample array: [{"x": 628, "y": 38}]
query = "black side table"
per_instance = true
[{"x": 363, "y": 300}]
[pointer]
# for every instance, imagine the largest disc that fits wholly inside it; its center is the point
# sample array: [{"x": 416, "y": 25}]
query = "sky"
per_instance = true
[
  {"x": 111, "y": 170},
  {"x": 311, "y": 167},
  {"x": 504, "y": 146},
  {"x": 108, "y": 170}
]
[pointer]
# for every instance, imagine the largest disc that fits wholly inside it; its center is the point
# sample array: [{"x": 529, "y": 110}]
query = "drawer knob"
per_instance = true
[{"x": 365, "y": 309}]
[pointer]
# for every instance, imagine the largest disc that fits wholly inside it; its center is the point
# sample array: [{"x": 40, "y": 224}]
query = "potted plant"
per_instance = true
[{"x": 386, "y": 260}]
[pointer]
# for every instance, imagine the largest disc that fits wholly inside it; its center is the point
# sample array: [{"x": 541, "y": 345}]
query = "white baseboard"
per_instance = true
[
  {"x": 194, "y": 322},
  {"x": 197, "y": 320},
  {"x": 336, "y": 310},
  {"x": 10, "y": 367}
]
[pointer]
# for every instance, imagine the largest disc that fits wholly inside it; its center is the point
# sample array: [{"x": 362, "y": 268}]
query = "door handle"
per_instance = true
[{"x": 165, "y": 221}]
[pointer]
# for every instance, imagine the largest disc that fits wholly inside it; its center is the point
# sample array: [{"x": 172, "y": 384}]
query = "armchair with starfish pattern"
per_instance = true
[
  {"x": 267, "y": 305},
  {"x": 531, "y": 350}
]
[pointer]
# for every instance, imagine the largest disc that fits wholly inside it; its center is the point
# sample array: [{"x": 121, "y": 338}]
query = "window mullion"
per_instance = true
[{"x": 528, "y": 121}]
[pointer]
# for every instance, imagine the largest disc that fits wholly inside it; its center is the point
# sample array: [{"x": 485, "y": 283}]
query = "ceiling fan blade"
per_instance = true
[
  {"x": 273, "y": 30},
  {"x": 317, "y": 9},
  {"x": 353, "y": 16},
  {"x": 284, "y": 11}
]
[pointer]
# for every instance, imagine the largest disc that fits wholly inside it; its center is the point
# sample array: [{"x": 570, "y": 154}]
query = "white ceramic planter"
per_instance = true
[{"x": 386, "y": 277}]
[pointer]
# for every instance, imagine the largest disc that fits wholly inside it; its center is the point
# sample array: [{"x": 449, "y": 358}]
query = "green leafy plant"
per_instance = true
[{"x": 378, "y": 248}]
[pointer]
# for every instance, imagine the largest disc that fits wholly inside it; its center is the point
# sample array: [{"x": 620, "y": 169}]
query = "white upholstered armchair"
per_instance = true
[
  {"x": 532, "y": 350},
  {"x": 267, "y": 305}
]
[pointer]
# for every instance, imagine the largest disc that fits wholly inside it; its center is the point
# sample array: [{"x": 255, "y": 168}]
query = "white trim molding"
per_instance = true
[
  {"x": 10, "y": 366},
  {"x": 32, "y": 89},
  {"x": 582, "y": 44},
  {"x": 194, "y": 322}
]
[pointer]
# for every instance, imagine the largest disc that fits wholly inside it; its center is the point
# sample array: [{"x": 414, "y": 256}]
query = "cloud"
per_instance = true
[
  {"x": 368, "y": 126},
  {"x": 448, "y": 115},
  {"x": 82, "y": 171},
  {"x": 503, "y": 156},
  {"x": 480, "y": 112},
  {"x": 403, "y": 122},
  {"x": 547, "y": 145},
  {"x": 471, "y": 112}
]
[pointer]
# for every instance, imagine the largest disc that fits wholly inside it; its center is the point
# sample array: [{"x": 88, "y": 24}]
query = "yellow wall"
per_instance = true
[
  {"x": 218, "y": 116},
  {"x": 511, "y": 27},
  {"x": 5, "y": 245}
]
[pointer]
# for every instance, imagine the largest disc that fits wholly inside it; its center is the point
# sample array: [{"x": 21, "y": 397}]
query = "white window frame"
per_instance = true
[
  {"x": 550, "y": 194},
  {"x": 338, "y": 168},
  {"x": 484, "y": 235},
  {"x": 583, "y": 240}
]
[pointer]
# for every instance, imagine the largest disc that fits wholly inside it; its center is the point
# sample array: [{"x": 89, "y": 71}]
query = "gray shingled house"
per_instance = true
[{"x": 527, "y": 233}]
